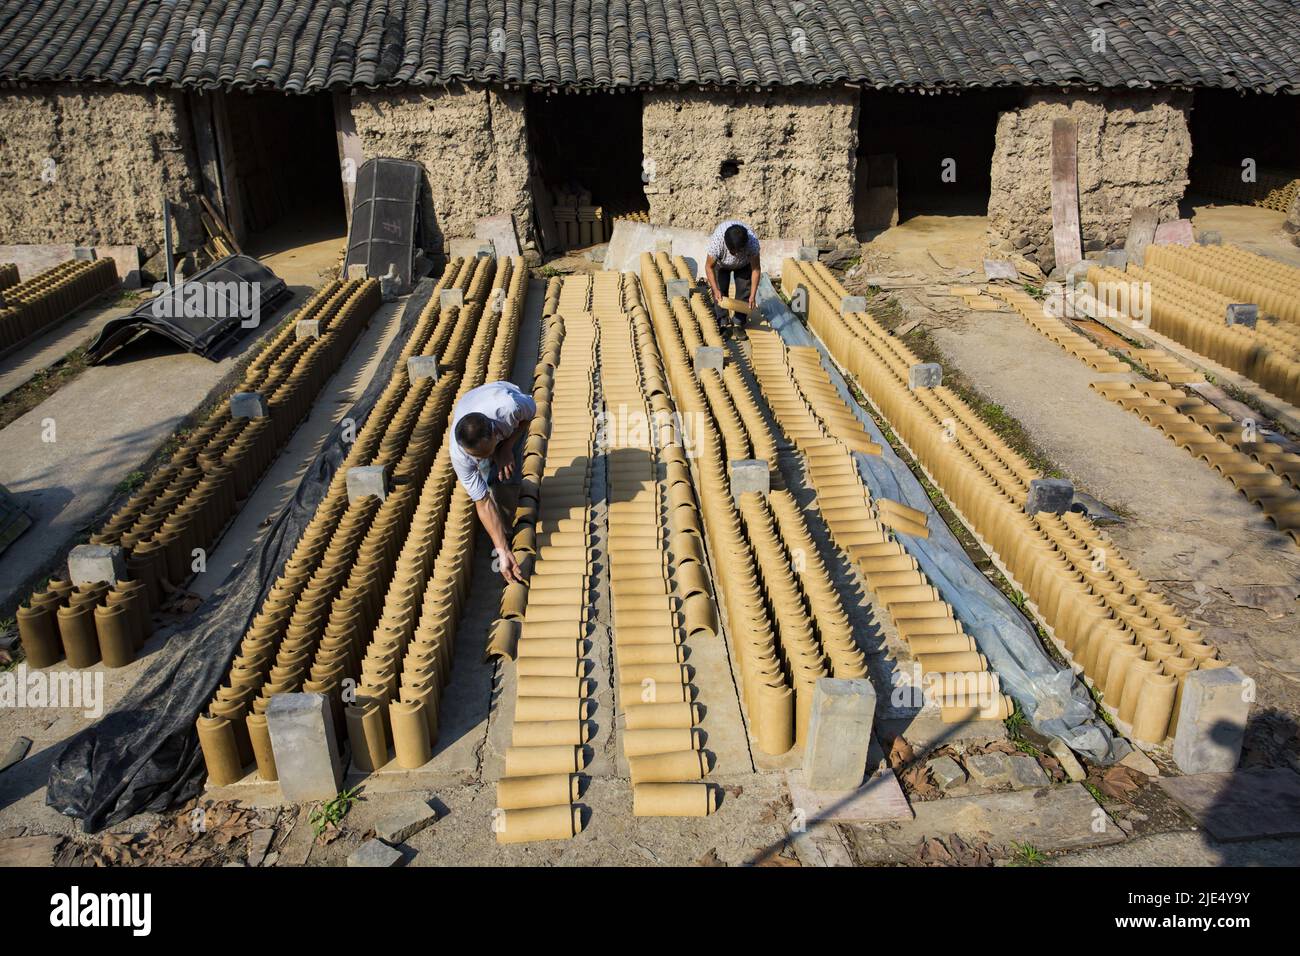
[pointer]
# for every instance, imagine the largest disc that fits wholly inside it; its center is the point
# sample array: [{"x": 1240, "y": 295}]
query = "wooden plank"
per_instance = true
[
  {"x": 351, "y": 155},
  {"x": 233, "y": 203},
  {"x": 225, "y": 232},
  {"x": 1065, "y": 193},
  {"x": 205, "y": 140},
  {"x": 1141, "y": 231}
]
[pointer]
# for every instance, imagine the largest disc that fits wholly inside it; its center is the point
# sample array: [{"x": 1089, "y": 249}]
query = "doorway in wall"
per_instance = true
[
  {"x": 1245, "y": 149},
  {"x": 272, "y": 159},
  {"x": 586, "y": 165},
  {"x": 925, "y": 155}
]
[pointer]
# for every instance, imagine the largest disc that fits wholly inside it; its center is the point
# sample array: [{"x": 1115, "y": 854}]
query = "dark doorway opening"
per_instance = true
[
  {"x": 1245, "y": 149},
  {"x": 921, "y": 154},
  {"x": 280, "y": 168},
  {"x": 586, "y": 164}
]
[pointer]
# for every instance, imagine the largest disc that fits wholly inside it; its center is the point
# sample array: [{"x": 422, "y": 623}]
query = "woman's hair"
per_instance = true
[{"x": 736, "y": 237}]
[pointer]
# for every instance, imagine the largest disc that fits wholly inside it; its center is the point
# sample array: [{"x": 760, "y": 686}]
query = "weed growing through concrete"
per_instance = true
[{"x": 331, "y": 812}]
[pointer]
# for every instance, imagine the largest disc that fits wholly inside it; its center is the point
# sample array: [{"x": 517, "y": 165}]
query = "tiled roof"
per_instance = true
[{"x": 304, "y": 45}]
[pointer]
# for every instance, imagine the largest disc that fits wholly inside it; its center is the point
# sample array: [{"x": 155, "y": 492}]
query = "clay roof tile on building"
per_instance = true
[{"x": 305, "y": 45}]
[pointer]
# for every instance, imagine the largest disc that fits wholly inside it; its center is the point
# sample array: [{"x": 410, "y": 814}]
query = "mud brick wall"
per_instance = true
[
  {"x": 780, "y": 160},
  {"x": 1292, "y": 224},
  {"x": 1134, "y": 149},
  {"x": 473, "y": 145},
  {"x": 108, "y": 156}
]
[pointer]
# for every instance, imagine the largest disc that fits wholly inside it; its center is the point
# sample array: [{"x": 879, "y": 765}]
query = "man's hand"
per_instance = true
[
  {"x": 510, "y": 569},
  {"x": 504, "y": 459}
]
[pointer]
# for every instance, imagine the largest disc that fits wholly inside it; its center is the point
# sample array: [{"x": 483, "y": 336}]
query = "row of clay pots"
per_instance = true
[
  {"x": 1240, "y": 275},
  {"x": 1052, "y": 559},
  {"x": 656, "y": 564},
  {"x": 186, "y": 505},
  {"x": 545, "y": 616},
  {"x": 46, "y": 298},
  {"x": 405, "y": 652},
  {"x": 311, "y": 631},
  {"x": 86, "y": 624},
  {"x": 776, "y": 679},
  {"x": 1268, "y": 481},
  {"x": 1235, "y": 346},
  {"x": 1080, "y": 346},
  {"x": 948, "y": 657}
]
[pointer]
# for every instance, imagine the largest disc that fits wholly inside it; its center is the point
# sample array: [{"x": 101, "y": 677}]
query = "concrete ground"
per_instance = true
[{"x": 18, "y": 367}]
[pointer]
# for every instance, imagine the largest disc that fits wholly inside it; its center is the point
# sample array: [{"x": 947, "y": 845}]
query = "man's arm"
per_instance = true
[
  {"x": 709, "y": 268},
  {"x": 755, "y": 272},
  {"x": 490, "y": 515},
  {"x": 504, "y": 456}
]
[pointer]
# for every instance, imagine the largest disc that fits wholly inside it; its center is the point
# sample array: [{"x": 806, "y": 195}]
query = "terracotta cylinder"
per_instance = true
[
  {"x": 559, "y": 822},
  {"x": 77, "y": 632},
  {"x": 38, "y": 630},
  {"x": 548, "y": 733},
  {"x": 667, "y": 767},
  {"x": 548, "y": 708},
  {"x": 772, "y": 711},
  {"x": 519, "y": 793},
  {"x": 955, "y": 661},
  {"x": 673, "y": 800},
  {"x": 410, "y": 734},
  {"x": 1117, "y": 670},
  {"x": 1155, "y": 708},
  {"x": 941, "y": 643},
  {"x": 665, "y": 715},
  {"x": 367, "y": 735},
  {"x": 260, "y": 737},
  {"x": 1138, "y": 670},
  {"x": 533, "y": 761},
  {"x": 220, "y": 751},
  {"x": 114, "y": 625}
]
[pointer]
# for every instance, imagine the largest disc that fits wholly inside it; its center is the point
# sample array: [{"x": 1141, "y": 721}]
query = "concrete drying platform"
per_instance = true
[
  {"x": 19, "y": 367},
  {"x": 1243, "y": 805}
]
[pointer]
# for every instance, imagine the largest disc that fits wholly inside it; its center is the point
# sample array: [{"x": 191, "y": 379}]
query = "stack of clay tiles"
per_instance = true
[
  {"x": 183, "y": 508},
  {"x": 1187, "y": 289},
  {"x": 322, "y": 617},
  {"x": 30, "y": 307},
  {"x": 1033, "y": 312},
  {"x": 546, "y": 620},
  {"x": 786, "y": 629},
  {"x": 1263, "y": 471},
  {"x": 660, "y": 586},
  {"x": 1126, "y": 640},
  {"x": 813, "y": 414},
  {"x": 408, "y": 661}
]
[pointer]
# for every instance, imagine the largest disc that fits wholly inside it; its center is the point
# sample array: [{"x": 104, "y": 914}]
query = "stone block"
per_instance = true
[
  {"x": 678, "y": 289},
  {"x": 1242, "y": 313},
  {"x": 1210, "y": 237},
  {"x": 709, "y": 356},
  {"x": 665, "y": 246},
  {"x": 748, "y": 475},
  {"x": 925, "y": 375},
  {"x": 1026, "y": 774},
  {"x": 422, "y": 366},
  {"x": 853, "y": 303},
  {"x": 307, "y": 329},
  {"x": 405, "y": 821},
  {"x": 303, "y": 742},
  {"x": 807, "y": 253},
  {"x": 95, "y": 563},
  {"x": 989, "y": 770},
  {"x": 248, "y": 405},
  {"x": 1059, "y": 749},
  {"x": 451, "y": 299},
  {"x": 362, "y": 482},
  {"x": 1211, "y": 721},
  {"x": 374, "y": 853},
  {"x": 946, "y": 773},
  {"x": 1053, "y": 495},
  {"x": 839, "y": 733}
]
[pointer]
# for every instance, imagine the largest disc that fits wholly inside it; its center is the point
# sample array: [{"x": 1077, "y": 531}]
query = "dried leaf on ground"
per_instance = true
[
  {"x": 1120, "y": 783},
  {"x": 900, "y": 753}
]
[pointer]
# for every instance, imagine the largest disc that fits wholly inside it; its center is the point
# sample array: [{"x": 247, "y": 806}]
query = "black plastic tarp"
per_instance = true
[
  {"x": 144, "y": 754},
  {"x": 386, "y": 219},
  {"x": 206, "y": 314}
]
